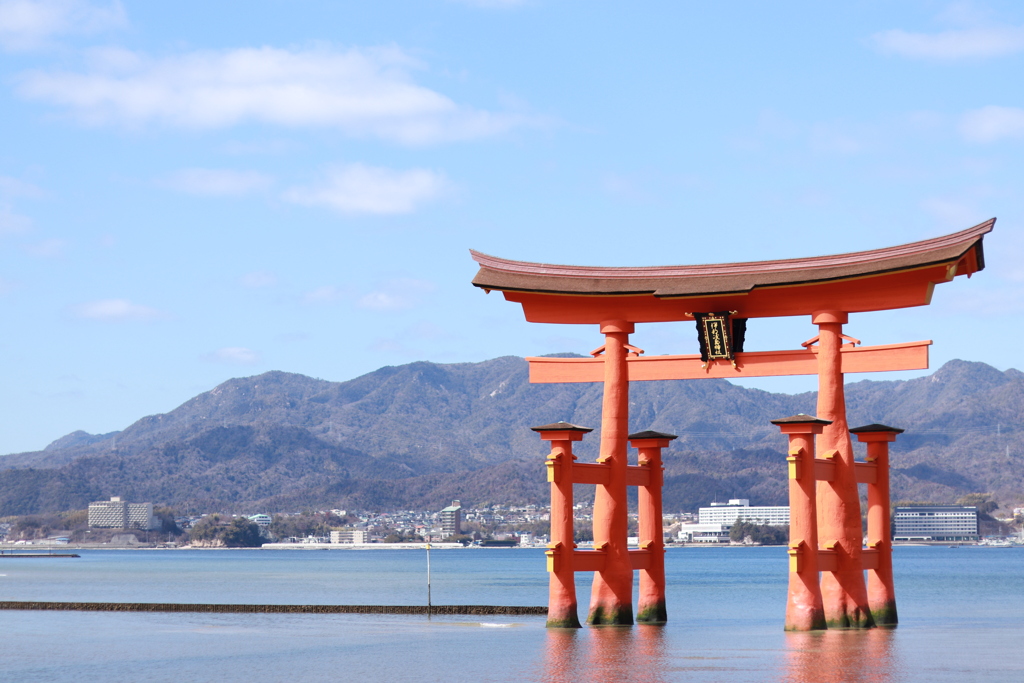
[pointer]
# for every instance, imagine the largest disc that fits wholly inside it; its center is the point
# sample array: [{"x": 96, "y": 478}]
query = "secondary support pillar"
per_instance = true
[
  {"x": 651, "y": 609},
  {"x": 611, "y": 597},
  {"x": 561, "y": 571},
  {"x": 804, "y": 610},
  {"x": 881, "y": 590},
  {"x": 839, "y": 524}
]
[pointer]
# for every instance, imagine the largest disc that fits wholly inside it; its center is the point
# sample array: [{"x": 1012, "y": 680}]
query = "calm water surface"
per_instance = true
[{"x": 960, "y": 612}]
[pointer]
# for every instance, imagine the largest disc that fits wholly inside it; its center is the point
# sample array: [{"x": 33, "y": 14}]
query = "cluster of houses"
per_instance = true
[{"x": 509, "y": 524}]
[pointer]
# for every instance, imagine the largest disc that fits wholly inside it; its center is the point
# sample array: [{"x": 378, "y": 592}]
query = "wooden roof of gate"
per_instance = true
[{"x": 880, "y": 279}]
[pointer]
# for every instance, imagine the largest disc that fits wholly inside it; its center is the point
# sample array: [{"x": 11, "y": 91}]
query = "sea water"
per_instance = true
[{"x": 960, "y": 620}]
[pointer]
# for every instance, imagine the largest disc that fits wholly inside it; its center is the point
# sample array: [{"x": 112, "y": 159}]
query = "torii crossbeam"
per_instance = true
[{"x": 826, "y": 288}]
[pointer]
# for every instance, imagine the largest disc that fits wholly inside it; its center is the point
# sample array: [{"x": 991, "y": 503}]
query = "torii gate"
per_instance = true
[{"x": 721, "y": 298}]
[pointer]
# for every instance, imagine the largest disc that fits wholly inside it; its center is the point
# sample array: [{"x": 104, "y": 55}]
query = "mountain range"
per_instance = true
[{"x": 416, "y": 436}]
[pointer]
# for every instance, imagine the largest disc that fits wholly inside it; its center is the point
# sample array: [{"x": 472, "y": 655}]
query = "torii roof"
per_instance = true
[{"x": 880, "y": 279}]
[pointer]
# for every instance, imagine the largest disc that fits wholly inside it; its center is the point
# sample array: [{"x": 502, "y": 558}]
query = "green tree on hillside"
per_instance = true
[
  {"x": 762, "y": 534},
  {"x": 983, "y": 501},
  {"x": 242, "y": 533}
]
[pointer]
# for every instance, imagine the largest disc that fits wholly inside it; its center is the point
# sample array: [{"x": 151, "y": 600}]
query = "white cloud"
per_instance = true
[
  {"x": 979, "y": 42},
  {"x": 625, "y": 187},
  {"x": 233, "y": 355},
  {"x": 31, "y": 24},
  {"x": 115, "y": 310},
  {"x": 12, "y": 223},
  {"x": 992, "y": 123},
  {"x": 214, "y": 182},
  {"x": 364, "y": 92},
  {"x": 952, "y": 213},
  {"x": 831, "y": 138},
  {"x": 355, "y": 188},
  {"x": 48, "y": 248},
  {"x": 12, "y": 187},
  {"x": 258, "y": 279},
  {"x": 383, "y": 301},
  {"x": 395, "y": 295},
  {"x": 328, "y": 294},
  {"x": 412, "y": 341}
]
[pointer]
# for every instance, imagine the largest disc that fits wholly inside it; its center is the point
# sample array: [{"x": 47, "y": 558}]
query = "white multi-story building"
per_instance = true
[
  {"x": 118, "y": 514},
  {"x": 451, "y": 520},
  {"x": 262, "y": 520},
  {"x": 936, "y": 523},
  {"x": 348, "y": 536},
  {"x": 703, "y": 533},
  {"x": 727, "y": 514}
]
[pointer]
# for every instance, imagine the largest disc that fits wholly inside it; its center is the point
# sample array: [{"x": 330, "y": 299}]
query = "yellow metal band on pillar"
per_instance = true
[
  {"x": 795, "y": 558},
  {"x": 551, "y": 462},
  {"x": 551, "y": 555},
  {"x": 793, "y": 458}
]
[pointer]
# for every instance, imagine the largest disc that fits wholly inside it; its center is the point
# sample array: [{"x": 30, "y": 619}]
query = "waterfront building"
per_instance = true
[
  {"x": 262, "y": 520},
  {"x": 936, "y": 523},
  {"x": 736, "y": 509},
  {"x": 703, "y": 533},
  {"x": 451, "y": 520},
  {"x": 118, "y": 514},
  {"x": 348, "y": 536}
]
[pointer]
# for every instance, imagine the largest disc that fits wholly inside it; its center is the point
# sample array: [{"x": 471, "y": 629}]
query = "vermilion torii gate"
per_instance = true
[{"x": 721, "y": 298}]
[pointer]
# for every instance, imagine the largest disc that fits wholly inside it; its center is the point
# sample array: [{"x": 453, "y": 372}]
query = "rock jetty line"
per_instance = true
[{"x": 511, "y": 610}]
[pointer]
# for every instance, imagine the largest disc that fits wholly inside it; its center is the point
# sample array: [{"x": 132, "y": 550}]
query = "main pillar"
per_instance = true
[
  {"x": 611, "y": 597},
  {"x": 651, "y": 609},
  {"x": 561, "y": 571},
  {"x": 881, "y": 590},
  {"x": 804, "y": 611},
  {"x": 839, "y": 524}
]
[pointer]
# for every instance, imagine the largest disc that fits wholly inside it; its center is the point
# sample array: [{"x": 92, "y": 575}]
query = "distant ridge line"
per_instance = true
[{"x": 512, "y": 610}]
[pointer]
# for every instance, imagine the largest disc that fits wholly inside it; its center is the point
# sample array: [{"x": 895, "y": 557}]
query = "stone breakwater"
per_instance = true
[{"x": 482, "y": 610}]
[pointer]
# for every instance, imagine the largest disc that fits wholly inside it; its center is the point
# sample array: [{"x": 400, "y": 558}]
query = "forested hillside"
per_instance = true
[{"x": 418, "y": 435}]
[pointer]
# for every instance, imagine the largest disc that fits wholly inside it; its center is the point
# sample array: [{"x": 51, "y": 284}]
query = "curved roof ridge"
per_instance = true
[{"x": 852, "y": 258}]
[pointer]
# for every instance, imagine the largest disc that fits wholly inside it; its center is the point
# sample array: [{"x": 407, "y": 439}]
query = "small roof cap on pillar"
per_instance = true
[
  {"x": 651, "y": 434},
  {"x": 875, "y": 427},
  {"x": 561, "y": 427},
  {"x": 801, "y": 418}
]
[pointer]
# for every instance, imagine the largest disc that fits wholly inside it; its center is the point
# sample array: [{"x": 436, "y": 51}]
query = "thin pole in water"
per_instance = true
[{"x": 428, "y": 582}]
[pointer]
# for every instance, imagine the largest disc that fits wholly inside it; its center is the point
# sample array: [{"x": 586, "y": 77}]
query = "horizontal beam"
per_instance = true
[
  {"x": 888, "y": 357},
  {"x": 869, "y": 558},
  {"x": 588, "y": 560},
  {"x": 828, "y": 561},
  {"x": 599, "y": 473},
  {"x": 590, "y": 473},
  {"x": 638, "y": 476},
  {"x": 594, "y": 560},
  {"x": 640, "y": 559},
  {"x": 824, "y": 470},
  {"x": 866, "y": 473}
]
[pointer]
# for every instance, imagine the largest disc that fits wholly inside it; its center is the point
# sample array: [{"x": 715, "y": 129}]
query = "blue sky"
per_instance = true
[{"x": 195, "y": 191}]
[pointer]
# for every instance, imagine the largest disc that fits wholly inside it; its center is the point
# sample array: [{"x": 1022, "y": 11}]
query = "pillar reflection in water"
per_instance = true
[
  {"x": 840, "y": 656},
  {"x": 606, "y": 654},
  {"x": 562, "y": 661}
]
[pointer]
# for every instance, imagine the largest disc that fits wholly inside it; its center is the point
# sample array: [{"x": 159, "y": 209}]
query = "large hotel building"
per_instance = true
[
  {"x": 713, "y": 523},
  {"x": 936, "y": 523},
  {"x": 736, "y": 509},
  {"x": 117, "y": 514}
]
